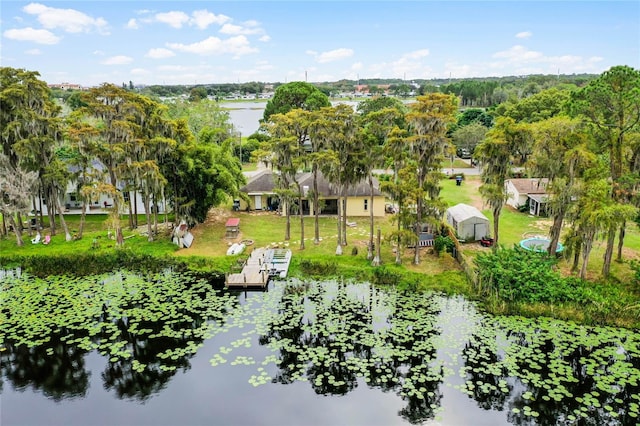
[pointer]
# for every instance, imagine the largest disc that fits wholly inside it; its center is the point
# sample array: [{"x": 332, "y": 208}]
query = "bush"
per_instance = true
[
  {"x": 384, "y": 276},
  {"x": 318, "y": 268},
  {"x": 88, "y": 263},
  {"x": 443, "y": 243},
  {"x": 517, "y": 275}
]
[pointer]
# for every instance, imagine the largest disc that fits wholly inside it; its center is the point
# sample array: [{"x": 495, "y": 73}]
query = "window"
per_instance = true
[
  {"x": 366, "y": 205},
  {"x": 125, "y": 196}
]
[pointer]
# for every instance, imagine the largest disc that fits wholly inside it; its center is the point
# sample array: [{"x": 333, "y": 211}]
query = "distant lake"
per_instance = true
[{"x": 246, "y": 116}]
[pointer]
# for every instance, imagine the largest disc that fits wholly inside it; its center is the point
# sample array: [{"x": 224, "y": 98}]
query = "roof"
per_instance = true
[
  {"x": 259, "y": 183},
  {"x": 540, "y": 198},
  {"x": 530, "y": 185},
  {"x": 263, "y": 182},
  {"x": 461, "y": 212},
  {"x": 233, "y": 221}
]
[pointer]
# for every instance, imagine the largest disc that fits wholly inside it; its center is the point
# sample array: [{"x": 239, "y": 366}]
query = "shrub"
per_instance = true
[
  {"x": 384, "y": 276},
  {"x": 517, "y": 275},
  {"x": 318, "y": 268},
  {"x": 443, "y": 243}
]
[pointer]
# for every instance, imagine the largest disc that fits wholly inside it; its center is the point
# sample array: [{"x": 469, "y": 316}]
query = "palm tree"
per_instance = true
[{"x": 428, "y": 119}]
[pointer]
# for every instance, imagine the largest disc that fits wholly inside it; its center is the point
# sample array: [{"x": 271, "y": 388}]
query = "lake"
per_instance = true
[
  {"x": 169, "y": 348},
  {"x": 246, "y": 116}
]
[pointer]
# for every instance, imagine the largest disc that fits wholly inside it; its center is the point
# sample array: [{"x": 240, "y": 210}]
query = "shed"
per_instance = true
[
  {"x": 233, "y": 227},
  {"x": 468, "y": 222}
]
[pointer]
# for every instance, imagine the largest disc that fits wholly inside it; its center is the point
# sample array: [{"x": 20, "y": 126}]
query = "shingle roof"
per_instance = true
[
  {"x": 530, "y": 185},
  {"x": 263, "y": 182}
]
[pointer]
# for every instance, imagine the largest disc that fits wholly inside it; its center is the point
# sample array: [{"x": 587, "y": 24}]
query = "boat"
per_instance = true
[
  {"x": 235, "y": 248},
  {"x": 187, "y": 240}
]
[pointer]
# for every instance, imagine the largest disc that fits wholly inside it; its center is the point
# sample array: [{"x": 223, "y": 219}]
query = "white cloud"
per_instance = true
[
  {"x": 409, "y": 63},
  {"x": 199, "y": 18},
  {"x": 203, "y": 18},
  {"x": 416, "y": 54},
  {"x": 31, "y": 34},
  {"x": 331, "y": 55},
  {"x": 140, "y": 72},
  {"x": 174, "y": 19},
  {"x": 265, "y": 38},
  {"x": 518, "y": 53},
  {"x": 69, "y": 20},
  {"x": 335, "y": 55},
  {"x": 524, "y": 34},
  {"x": 231, "y": 29},
  {"x": 237, "y": 46},
  {"x": 132, "y": 24},
  {"x": 118, "y": 60},
  {"x": 33, "y": 52},
  {"x": 159, "y": 53},
  {"x": 98, "y": 52}
]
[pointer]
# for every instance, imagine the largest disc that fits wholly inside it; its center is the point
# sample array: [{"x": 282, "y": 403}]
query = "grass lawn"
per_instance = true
[{"x": 267, "y": 229}]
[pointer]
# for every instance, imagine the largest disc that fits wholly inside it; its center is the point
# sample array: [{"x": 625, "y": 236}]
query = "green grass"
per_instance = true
[{"x": 268, "y": 229}]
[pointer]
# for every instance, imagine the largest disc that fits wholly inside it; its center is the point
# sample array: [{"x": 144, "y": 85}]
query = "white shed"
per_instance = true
[{"x": 468, "y": 222}]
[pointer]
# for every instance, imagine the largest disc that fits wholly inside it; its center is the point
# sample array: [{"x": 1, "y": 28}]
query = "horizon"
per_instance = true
[{"x": 198, "y": 43}]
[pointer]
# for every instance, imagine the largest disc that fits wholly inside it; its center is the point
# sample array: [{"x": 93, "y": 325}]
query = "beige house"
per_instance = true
[
  {"x": 260, "y": 190},
  {"x": 528, "y": 191}
]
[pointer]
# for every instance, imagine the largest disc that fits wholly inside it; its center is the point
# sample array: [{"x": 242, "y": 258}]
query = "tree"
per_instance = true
[
  {"x": 287, "y": 131},
  {"x": 30, "y": 130},
  {"x": 377, "y": 127},
  {"x": 469, "y": 136},
  {"x": 560, "y": 154},
  {"x": 611, "y": 106},
  {"x": 494, "y": 154},
  {"x": 297, "y": 94},
  {"x": 428, "y": 119},
  {"x": 540, "y": 106},
  {"x": 119, "y": 115},
  {"x": 17, "y": 186},
  {"x": 397, "y": 149},
  {"x": 340, "y": 168},
  {"x": 82, "y": 138},
  {"x": 201, "y": 175}
]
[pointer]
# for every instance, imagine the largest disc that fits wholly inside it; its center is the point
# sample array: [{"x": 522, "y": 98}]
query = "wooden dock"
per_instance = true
[{"x": 262, "y": 264}]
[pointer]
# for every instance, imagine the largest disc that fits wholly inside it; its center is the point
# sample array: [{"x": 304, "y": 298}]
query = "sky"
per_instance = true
[{"x": 207, "y": 42}]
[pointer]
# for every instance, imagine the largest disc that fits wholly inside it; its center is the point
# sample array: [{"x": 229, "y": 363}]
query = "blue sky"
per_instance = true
[{"x": 196, "y": 42}]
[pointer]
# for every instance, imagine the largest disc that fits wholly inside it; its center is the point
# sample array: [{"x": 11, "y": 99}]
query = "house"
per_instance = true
[
  {"x": 468, "y": 222},
  {"x": 530, "y": 192},
  {"x": 72, "y": 204},
  {"x": 261, "y": 191}
]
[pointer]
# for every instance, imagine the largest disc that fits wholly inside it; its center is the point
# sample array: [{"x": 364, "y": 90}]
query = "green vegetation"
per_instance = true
[{"x": 187, "y": 154}]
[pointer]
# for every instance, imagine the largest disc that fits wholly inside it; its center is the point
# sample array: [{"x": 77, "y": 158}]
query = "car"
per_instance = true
[{"x": 463, "y": 153}]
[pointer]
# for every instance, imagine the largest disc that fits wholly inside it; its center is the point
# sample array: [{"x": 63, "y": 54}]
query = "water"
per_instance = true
[
  {"x": 125, "y": 349},
  {"x": 246, "y": 116}
]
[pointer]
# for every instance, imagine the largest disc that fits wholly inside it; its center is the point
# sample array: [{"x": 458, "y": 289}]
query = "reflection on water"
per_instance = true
[{"x": 169, "y": 348}]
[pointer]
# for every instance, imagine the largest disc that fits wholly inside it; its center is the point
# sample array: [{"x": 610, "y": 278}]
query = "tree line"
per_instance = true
[
  {"x": 112, "y": 142},
  {"x": 584, "y": 141}
]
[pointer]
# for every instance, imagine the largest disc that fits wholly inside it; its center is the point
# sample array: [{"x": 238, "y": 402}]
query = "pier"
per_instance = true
[{"x": 262, "y": 264}]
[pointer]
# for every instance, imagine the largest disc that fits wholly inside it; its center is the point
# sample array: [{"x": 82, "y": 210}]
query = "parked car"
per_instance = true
[{"x": 463, "y": 153}]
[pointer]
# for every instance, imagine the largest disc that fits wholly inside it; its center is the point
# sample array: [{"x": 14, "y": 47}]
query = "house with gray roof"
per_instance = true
[{"x": 261, "y": 193}]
